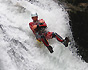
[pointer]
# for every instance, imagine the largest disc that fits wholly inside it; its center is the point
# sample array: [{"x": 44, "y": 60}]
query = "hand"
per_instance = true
[
  {"x": 34, "y": 27},
  {"x": 41, "y": 21}
]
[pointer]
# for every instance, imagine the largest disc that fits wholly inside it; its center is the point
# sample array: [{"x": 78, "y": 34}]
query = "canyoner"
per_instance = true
[{"x": 39, "y": 28}]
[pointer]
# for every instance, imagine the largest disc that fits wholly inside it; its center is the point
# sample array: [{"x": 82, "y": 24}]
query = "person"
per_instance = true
[{"x": 39, "y": 29}]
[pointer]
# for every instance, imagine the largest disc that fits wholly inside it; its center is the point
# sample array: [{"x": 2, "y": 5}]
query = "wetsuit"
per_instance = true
[{"x": 42, "y": 34}]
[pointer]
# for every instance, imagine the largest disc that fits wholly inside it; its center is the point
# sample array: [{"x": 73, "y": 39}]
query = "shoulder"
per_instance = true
[{"x": 30, "y": 23}]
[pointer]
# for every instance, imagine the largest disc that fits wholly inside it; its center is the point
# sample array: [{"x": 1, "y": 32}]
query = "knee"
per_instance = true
[{"x": 54, "y": 34}]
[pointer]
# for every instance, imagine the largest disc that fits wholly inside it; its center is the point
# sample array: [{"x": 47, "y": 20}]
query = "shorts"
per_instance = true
[{"x": 47, "y": 35}]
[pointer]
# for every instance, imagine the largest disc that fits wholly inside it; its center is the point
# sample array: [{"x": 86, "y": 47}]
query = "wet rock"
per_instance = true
[{"x": 78, "y": 14}]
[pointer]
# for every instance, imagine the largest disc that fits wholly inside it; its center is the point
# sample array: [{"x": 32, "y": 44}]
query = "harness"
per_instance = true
[{"x": 40, "y": 31}]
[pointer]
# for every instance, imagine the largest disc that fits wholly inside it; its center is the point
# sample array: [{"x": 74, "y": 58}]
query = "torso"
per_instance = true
[{"x": 39, "y": 31}]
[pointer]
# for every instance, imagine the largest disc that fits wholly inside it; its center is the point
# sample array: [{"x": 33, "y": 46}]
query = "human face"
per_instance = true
[{"x": 35, "y": 18}]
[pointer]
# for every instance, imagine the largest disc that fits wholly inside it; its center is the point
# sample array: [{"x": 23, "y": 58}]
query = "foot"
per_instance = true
[
  {"x": 50, "y": 49},
  {"x": 66, "y": 41}
]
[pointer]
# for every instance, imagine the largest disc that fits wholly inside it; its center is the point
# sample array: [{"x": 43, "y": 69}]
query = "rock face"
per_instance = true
[
  {"x": 78, "y": 13},
  {"x": 74, "y": 2},
  {"x": 79, "y": 24}
]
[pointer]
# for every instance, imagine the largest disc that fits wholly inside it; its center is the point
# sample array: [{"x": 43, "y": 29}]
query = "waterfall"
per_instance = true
[{"x": 19, "y": 49}]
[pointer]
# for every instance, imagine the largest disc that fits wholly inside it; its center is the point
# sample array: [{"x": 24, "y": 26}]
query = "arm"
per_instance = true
[
  {"x": 33, "y": 27},
  {"x": 42, "y": 23}
]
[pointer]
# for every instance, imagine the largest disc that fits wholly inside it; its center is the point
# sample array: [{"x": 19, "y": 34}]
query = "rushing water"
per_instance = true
[{"x": 19, "y": 49}]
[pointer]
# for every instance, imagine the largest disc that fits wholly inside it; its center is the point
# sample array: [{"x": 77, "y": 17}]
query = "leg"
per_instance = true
[
  {"x": 43, "y": 39},
  {"x": 38, "y": 37},
  {"x": 58, "y": 37}
]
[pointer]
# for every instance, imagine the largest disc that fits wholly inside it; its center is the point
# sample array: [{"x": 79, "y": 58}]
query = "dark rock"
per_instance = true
[
  {"x": 79, "y": 24},
  {"x": 78, "y": 14}
]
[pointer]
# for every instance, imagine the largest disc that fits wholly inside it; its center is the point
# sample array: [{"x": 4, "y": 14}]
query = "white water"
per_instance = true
[{"x": 19, "y": 49}]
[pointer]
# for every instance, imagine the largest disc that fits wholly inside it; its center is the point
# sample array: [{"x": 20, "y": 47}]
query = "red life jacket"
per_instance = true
[{"x": 31, "y": 24}]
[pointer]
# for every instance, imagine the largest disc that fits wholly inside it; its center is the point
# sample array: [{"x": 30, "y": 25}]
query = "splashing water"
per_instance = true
[{"x": 19, "y": 49}]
